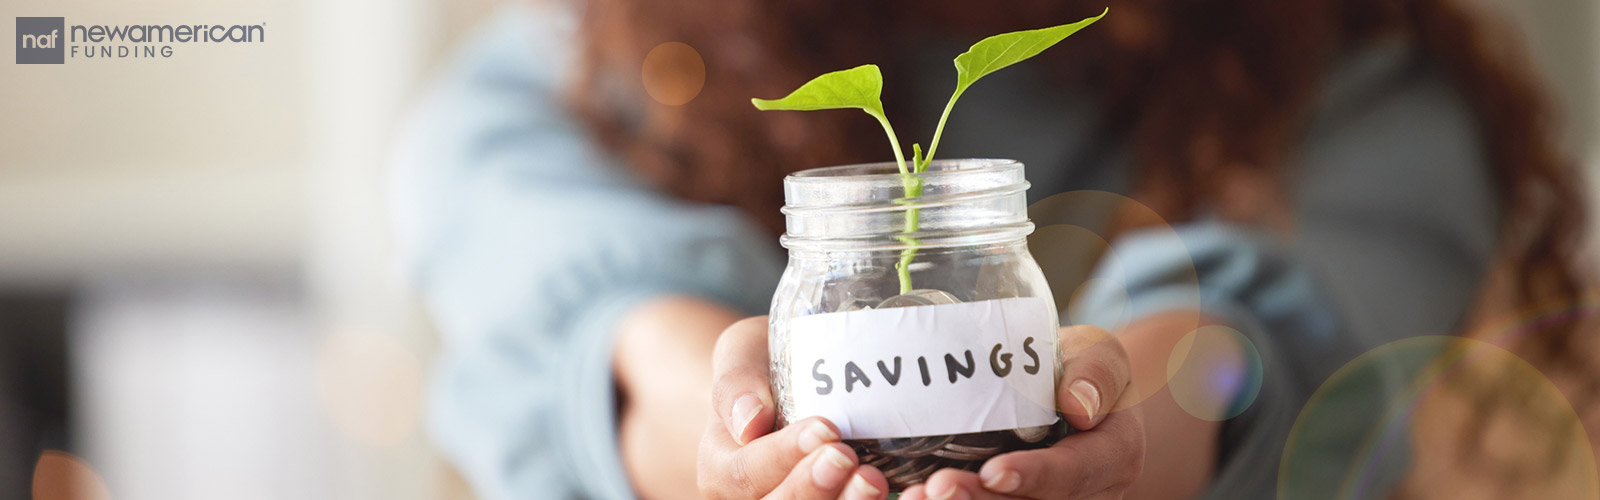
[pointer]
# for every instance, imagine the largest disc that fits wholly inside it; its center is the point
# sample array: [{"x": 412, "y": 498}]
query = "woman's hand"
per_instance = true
[
  {"x": 662, "y": 360},
  {"x": 740, "y": 456},
  {"x": 740, "y": 459},
  {"x": 1100, "y": 463}
]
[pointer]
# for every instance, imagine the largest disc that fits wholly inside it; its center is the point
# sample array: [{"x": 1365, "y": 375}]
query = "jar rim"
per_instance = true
[{"x": 874, "y": 170}]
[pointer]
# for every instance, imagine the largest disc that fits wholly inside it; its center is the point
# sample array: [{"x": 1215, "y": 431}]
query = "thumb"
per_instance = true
[{"x": 1095, "y": 375}]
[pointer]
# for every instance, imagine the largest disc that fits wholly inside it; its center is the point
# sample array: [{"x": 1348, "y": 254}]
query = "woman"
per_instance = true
[{"x": 1341, "y": 174}]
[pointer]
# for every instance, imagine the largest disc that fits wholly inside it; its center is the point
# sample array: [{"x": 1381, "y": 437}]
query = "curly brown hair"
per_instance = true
[{"x": 1212, "y": 96}]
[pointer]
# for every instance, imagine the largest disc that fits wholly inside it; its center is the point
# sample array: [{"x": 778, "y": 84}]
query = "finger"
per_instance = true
[
  {"x": 956, "y": 484},
  {"x": 752, "y": 470},
  {"x": 867, "y": 483},
  {"x": 914, "y": 492},
  {"x": 740, "y": 396},
  {"x": 1110, "y": 457},
  {"x": 1095, "y": 374},
  {"x": 821, "y": 475}
]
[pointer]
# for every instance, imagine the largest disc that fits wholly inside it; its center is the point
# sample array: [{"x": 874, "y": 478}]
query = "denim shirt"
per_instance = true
[{"x": 528, "y": 242}]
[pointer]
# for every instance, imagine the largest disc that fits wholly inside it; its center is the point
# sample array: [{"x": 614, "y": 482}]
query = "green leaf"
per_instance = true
[
  {"x": 996, "y": 52},
  {"x": 862, "y": 88},
  {"x": 858, "y": 87},
  {"x": 1003, "y": 50}
]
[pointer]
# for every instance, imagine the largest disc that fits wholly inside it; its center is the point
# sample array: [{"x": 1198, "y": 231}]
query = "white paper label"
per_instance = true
[{"x": 926, "y": 370}]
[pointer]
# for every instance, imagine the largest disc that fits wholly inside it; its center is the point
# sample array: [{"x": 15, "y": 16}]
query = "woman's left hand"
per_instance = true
[{"x": 1099, "y": 463}]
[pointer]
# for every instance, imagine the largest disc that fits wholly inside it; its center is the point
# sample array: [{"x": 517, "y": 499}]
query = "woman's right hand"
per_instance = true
[{"x": 742, "y": 458}]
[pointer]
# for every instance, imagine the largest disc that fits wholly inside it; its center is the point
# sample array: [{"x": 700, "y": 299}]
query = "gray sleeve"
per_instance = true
[{"x": 527, "y": 244}]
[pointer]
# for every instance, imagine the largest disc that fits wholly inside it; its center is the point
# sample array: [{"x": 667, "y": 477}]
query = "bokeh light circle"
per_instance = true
[
  {"x": 1067, "y": 255},
  {"x": 59, "y": 475},
  {"x": 1214, "y": 373},
  {"x": 1074, "y": 244},
  {"x": 1112, "y": 303},
  {"x": 673, "y": 73},
  {"x": 1429, "y": 417}
]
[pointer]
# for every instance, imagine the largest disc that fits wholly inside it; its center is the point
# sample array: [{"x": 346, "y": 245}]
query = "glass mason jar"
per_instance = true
[{"x": 928, "y": 349}]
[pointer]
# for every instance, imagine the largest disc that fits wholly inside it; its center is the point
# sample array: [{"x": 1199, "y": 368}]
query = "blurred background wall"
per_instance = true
[
  {"x": 198, "y": 244},
  {"x": 199, "y": 297}
]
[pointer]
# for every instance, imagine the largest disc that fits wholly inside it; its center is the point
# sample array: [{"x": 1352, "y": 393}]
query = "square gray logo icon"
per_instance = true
[{"x": 41, "y": 40}]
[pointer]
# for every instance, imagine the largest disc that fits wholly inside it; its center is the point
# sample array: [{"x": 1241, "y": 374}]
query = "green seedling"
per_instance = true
[{"x": 861, "y": 88}]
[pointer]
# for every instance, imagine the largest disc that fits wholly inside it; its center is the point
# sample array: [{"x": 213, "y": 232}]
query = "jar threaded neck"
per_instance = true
[{"x": 864, "y": 207}]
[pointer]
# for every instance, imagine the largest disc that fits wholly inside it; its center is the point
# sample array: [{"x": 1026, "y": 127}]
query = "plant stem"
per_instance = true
[
  {"x": 904, "y": 266},
  {"x": 938, "y": 132},
  {"x": 899, "y": 158},
  {"x": 913, "y": 189}
]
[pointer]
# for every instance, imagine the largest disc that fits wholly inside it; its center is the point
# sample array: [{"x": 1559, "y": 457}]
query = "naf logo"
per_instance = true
[{"x": 40, "y": 40}]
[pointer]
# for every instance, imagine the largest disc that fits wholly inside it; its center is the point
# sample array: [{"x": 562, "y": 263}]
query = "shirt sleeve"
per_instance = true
[
  {"x": 527, "y": 244},
  {"x": 1254, "y": 285}
]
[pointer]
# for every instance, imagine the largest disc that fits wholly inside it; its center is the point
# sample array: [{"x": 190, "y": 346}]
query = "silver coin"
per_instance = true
[
  {"x": 855, "y": 305},
  {"x": 922, "y": 297},
  {"x": 905, "y": 468},
  {"x": 1033, "y": 434},
  {"x": 973, "y": 450},
  {"x": 909, "y": 473},
  {"x": 956, "y": 455},
  {"x": 921, "y": 447},
  {"x": 878, "y": 460}
]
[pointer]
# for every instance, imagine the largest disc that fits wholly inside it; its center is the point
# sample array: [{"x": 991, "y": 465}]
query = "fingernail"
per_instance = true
[
  {"x": 860, "y": 489},
  {"x": 961, "y": 495},
  {"x": 815, "y": 435},
  {"x": 951, "y": 492},
  {"x": 831, "y": 468},
  {"x": 1087, "y": 396},
  {"x": 745, "y": 410},
  {"x": 1000, "y": 480}
]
